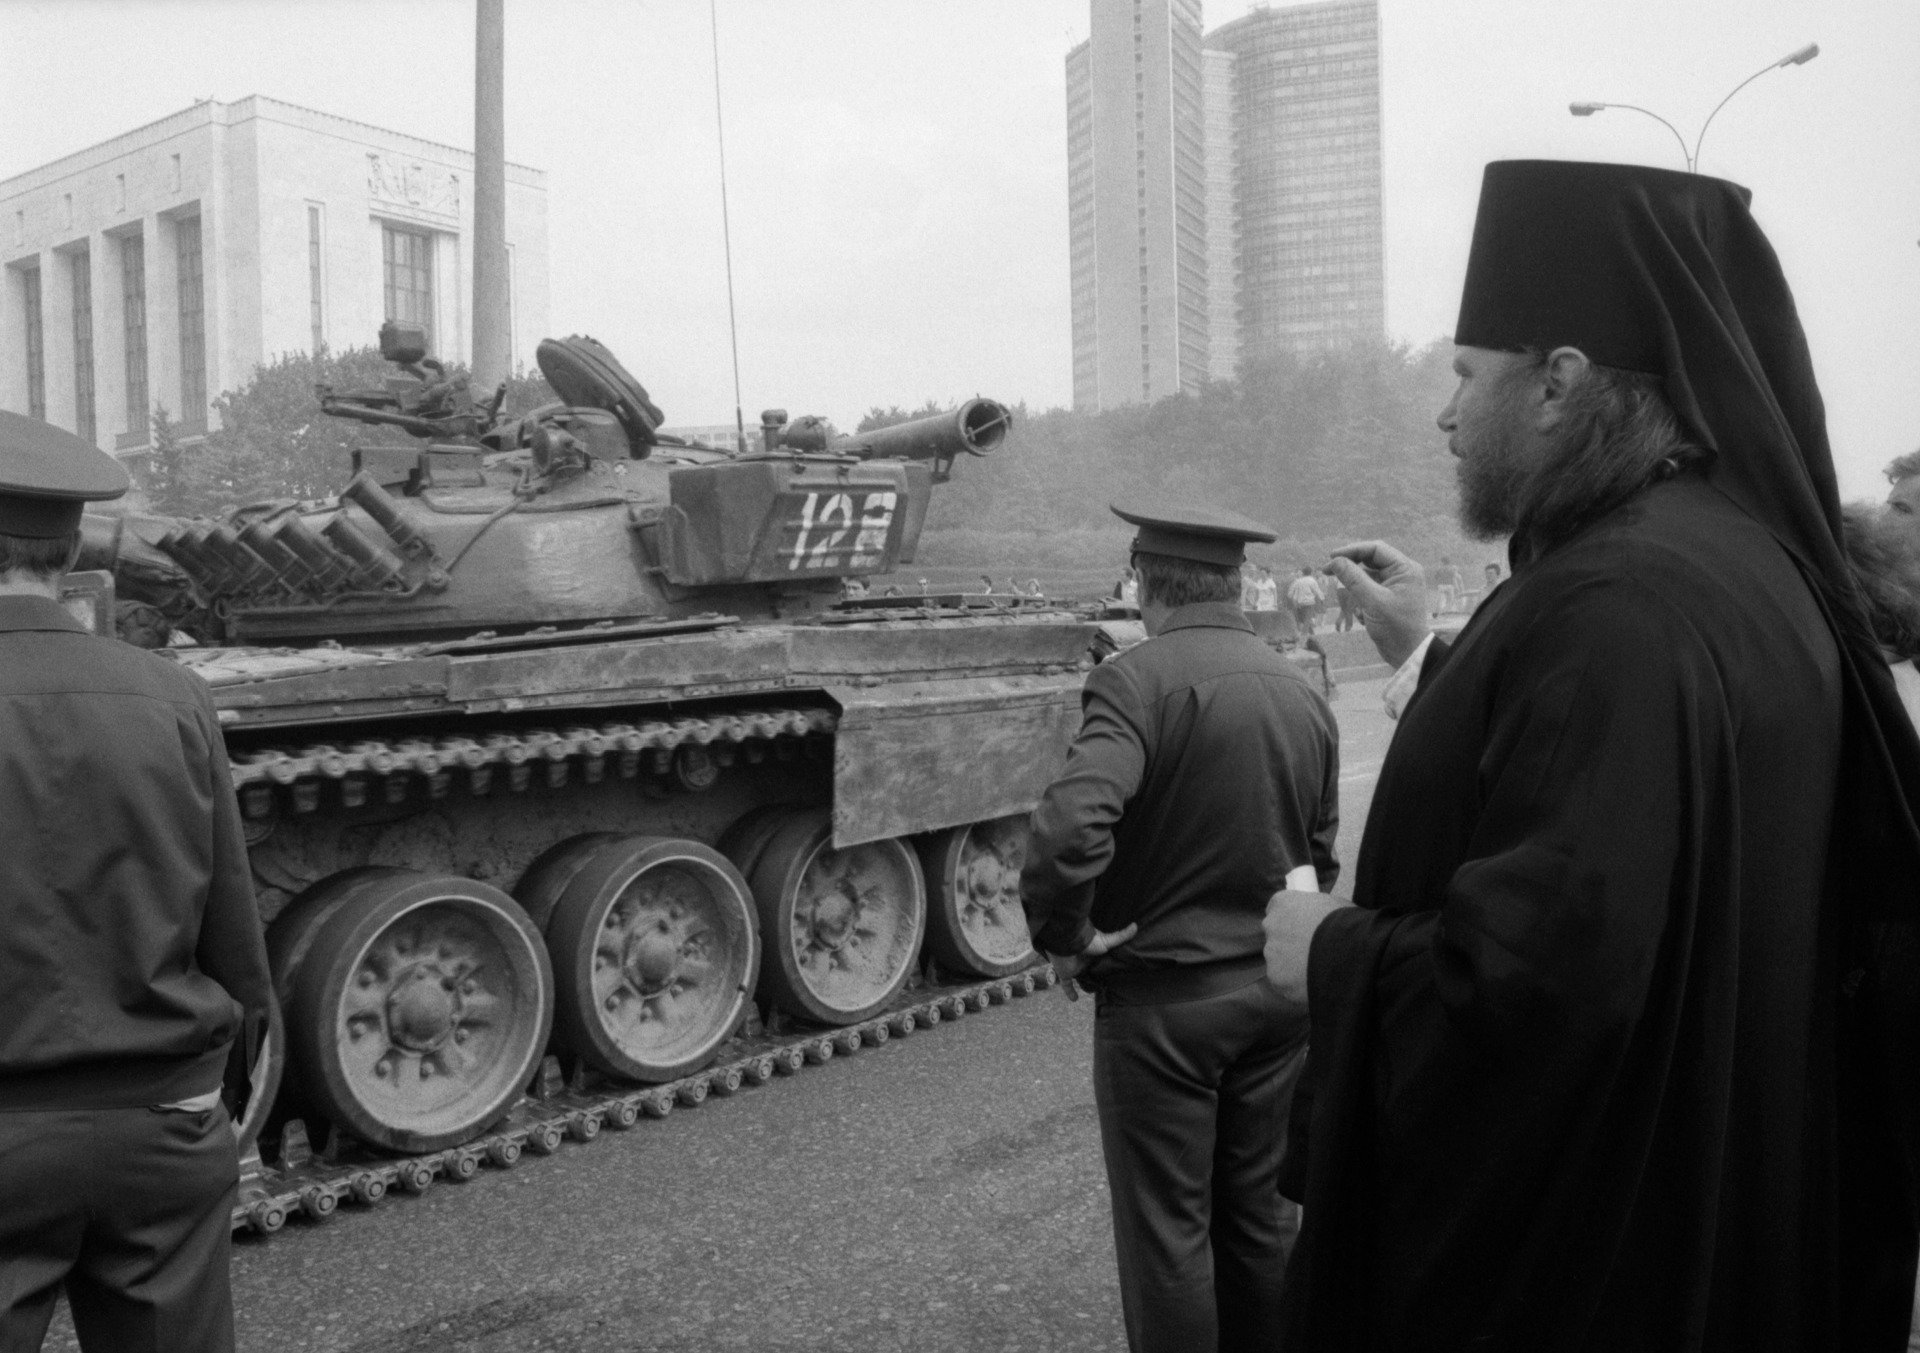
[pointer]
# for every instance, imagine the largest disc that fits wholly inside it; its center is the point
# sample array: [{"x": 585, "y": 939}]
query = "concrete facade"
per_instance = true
[
  {"x": 287, "y": 215},
  {"x": 1223, "y": 192},
  {"x": 1307, "y": 190},
  {"x": 1223, "y": 235},
  {"x": 1136, "y": 203}
]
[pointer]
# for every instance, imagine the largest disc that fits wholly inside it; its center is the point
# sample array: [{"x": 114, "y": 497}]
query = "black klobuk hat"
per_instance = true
[
  {"x": 47, "y": 476},
  {"x": 1207, "y": 535}
]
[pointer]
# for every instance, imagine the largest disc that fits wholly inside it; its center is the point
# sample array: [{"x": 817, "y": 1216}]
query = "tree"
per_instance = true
[
  {"x": 877, "y": 417},
  {"x": 273, "y": 442},
  {"x": 166, "y": 483},
  {"x": 1325, "y": 448}
]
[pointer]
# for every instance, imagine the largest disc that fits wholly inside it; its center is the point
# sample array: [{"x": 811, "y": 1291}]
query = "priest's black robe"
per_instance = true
[{"x": 1572, "y": 1076}]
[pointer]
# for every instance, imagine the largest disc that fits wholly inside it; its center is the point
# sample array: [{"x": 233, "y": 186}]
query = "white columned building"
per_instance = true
[{"x": 160, "y": 268}]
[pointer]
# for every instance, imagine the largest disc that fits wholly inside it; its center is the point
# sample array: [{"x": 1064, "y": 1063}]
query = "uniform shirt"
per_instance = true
[
  {"x": 1205, "y": 769},
  {"x": 130, "y": 949}
]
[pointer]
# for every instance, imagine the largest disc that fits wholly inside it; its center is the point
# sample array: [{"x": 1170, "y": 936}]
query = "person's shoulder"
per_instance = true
[
  {"x": 1681, "y": 543},
  {"x": 110, "y": 666}
]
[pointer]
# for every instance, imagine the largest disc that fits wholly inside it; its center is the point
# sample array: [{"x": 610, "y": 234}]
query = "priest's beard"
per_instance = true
[
  {"x": 1619, "y": 436},
  {"x": 1496, "y": 461}
]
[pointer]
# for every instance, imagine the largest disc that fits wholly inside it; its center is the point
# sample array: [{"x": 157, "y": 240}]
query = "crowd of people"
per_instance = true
[{"x": 1316, "y": 597}]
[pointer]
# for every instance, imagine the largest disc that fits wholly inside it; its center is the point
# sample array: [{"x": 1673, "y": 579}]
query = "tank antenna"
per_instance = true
[{"x": 726, "y": 229}]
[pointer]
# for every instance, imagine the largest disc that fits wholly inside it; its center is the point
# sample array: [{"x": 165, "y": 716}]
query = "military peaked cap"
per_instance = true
[
  {"x": 47, "y": 476},
  {"x": 1206, "y": 535}
]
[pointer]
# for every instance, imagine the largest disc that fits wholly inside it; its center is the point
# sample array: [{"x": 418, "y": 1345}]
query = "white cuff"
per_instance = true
[{"x": 1401, "y": 686}]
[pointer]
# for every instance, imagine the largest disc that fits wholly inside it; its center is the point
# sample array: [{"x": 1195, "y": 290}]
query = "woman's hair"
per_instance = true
[{"x": 1885, "y": 561}]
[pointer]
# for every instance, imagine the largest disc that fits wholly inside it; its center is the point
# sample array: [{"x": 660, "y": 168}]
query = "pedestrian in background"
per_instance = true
[
  {"x": 1349, "y": 606},
  {"x": 1323, "y": 583},
  {"x": 1266, "y": 592},
  {"x": 1303, "y": 596},
  {"x": 1205, "y": 775},
  {"x": 1618, "y": 1048},
  {"x": 1446, "y": 580},
  {"x": 131, "y": 957}
]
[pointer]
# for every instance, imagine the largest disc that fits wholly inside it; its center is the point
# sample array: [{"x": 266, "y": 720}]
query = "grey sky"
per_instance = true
[{"x": 898, "y": 166}]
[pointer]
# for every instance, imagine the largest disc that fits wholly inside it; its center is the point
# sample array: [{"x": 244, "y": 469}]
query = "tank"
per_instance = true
[{"x": 579, "y": 780}]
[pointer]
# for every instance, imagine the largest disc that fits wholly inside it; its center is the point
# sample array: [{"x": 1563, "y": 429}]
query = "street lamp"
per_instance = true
[
  {"x": 1799, "y": 57},
  {"x": 1589, "y": 109}
]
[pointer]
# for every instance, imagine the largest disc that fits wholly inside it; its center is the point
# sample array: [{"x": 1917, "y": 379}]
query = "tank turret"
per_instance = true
[{"x": 576, "y": 513}]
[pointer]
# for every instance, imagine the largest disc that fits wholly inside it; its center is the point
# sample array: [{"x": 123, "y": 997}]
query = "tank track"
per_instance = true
[
  {"x": 315, "y": 1184},
  {"x": 511, "y": 758}
]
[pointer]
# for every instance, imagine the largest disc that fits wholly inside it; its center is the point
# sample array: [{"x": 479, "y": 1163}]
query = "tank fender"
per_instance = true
[{"x": 920, "y": 756}]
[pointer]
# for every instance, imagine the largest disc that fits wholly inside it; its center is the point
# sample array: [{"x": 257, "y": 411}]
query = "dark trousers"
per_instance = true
[
  {"x": 1193, "y": 1101},
  {"x": 129, "y": 1210}
]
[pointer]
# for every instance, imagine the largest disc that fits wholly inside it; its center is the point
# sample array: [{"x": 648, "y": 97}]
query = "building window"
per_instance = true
[
  {"x": 133, "y": 301},
  {"x": 83, "y": 423},
  {"x": 193, "y": 325},
  {"x": 315, "y": 289},
  {"x": 36, "y": 348},
  {"x": 409, "y": 275}
]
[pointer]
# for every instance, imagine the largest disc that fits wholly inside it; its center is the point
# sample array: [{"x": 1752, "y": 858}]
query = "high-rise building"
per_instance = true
[
  {"x": 1307, "y": 188},
  {"x": 158, "y": 269},
  {"x": 1223, "y": 234},
  {"x": 1223, "y": 192},
  {"x": 1137, "y": 203}
]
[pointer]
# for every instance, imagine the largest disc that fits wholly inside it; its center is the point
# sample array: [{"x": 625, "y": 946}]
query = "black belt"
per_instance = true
[{"x": 1171, "y": 986}]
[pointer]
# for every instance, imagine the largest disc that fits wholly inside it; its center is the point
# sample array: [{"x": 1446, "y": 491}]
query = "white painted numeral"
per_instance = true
[{"x": 834, "y": 521}]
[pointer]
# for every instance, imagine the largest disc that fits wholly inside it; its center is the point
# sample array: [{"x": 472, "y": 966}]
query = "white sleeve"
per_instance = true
[{"x": 1403, "y": 683}]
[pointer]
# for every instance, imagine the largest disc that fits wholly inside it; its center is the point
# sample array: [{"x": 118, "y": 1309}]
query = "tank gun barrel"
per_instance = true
[
  {"x": 360, "y": 408},
  {"x": 976, "y": 428}
]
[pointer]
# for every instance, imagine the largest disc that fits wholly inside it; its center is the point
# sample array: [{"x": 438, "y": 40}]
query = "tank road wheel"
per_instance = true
[
  {"x": 841, "y": 927},
  {"x": 417, "y": 1007},
  {"x": 654, "y": 951},
  {"x": 975, "y": 923},
  {"x": 745, "y": 839},
  {"x": 540, "y": 888}
]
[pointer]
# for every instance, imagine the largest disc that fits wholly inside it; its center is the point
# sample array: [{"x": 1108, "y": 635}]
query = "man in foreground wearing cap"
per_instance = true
[
  {"x": 1204, "y": 776},
  {"x": 1617, "y": 1048},
  {"x": 130, "y": 951}
]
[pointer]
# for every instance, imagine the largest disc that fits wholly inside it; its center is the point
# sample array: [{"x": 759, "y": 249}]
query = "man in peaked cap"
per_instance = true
[
  {"x": 1204, "y": 775},
  {"x": 130, "y": 952},
  {"x": 1616, "y": 1049}
]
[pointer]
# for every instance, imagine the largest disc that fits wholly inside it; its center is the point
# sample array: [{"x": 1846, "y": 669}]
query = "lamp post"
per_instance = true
[{"x": 1799, "y": 57}]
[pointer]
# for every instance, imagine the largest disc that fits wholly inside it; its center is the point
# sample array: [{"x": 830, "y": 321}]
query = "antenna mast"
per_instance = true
[{"x": 726, "y": 228}]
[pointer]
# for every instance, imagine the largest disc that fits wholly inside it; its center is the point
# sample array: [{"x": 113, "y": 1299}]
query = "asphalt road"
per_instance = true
[{"x": 943, "y": 1192}]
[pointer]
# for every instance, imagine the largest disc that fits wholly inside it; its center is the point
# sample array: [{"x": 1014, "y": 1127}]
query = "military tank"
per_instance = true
[{"x": 576, "y": 783}]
